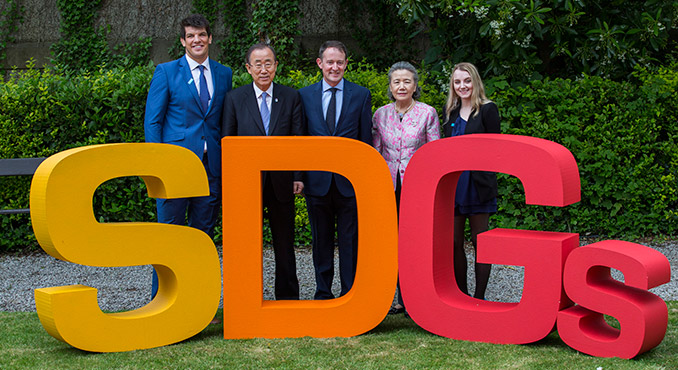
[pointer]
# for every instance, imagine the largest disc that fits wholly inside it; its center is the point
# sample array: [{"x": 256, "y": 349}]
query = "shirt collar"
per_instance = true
[
  {"x": 340, "y": 85},
  {"x": 192, "y": 64},
  {"x": 258, "y": 91}
]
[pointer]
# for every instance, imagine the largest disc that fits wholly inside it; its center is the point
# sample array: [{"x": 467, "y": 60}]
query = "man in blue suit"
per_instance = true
[
  {"x": 334, "y": 107},
  {"x": 184, "y": 107}
]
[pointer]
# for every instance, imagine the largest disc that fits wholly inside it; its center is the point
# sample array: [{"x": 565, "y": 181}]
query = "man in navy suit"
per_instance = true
[
  {"x": 264, "y": 108},
  {"x": 334, "y": 107},
  {"x": 184, "y": 107}
]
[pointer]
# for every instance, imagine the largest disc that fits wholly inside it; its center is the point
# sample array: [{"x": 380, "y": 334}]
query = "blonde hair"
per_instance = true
[{"x": 478, "y": 97}]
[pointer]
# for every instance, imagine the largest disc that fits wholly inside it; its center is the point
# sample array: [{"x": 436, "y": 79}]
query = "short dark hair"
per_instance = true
[
  {"x": 333, "y": 44},
  {"x": 195, "y": 21},
  {"x": 259, "y": 46}
]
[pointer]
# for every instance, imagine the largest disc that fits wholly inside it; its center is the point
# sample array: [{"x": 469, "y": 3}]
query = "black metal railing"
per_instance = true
[{"x": 18, "y": 167}]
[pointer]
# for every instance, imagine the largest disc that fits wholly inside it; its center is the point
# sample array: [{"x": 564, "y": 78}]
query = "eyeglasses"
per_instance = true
[{"x": 259, "y": 66}]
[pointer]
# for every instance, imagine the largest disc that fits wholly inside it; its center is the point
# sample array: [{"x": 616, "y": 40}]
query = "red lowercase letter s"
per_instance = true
[{"x": 642, "y": 316}]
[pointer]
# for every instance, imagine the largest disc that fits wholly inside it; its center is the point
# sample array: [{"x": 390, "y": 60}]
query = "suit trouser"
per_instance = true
[
  {"x": 322, "y": 212},
  {"x": 202, "y": 212},
  {"x": 281, "y": 218}
]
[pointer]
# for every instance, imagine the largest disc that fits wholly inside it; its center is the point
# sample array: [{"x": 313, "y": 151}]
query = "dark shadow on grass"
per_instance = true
[
  {"x": 552, "y": 340},
  {"x": 396, "y": 323},
  {"x": 73, "y": 352}
]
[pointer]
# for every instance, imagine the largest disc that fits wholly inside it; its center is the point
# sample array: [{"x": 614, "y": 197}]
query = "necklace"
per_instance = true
[{"x": 400, "y": 115}]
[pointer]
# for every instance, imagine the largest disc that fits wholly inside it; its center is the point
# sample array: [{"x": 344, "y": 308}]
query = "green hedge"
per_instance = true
[
  {"x": 43, "y": 113},
  {"x": 623, "y": 136}
]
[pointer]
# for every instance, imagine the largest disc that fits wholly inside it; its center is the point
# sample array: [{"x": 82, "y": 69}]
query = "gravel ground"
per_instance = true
[{"x": 126, "y": 288}]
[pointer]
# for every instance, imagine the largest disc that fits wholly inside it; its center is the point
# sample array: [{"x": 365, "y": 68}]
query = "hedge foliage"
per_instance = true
[
  {"x": 623, "y": 135},
  {"x": 526, "y": 39},
  {"x": 43, "y": 113}
]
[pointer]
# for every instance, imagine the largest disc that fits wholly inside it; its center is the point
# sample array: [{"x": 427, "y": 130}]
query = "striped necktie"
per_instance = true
[{"x": 265, "y": 113}]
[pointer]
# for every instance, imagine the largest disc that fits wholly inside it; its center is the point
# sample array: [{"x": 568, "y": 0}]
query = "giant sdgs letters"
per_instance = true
[{"x": 566, "y": 286}]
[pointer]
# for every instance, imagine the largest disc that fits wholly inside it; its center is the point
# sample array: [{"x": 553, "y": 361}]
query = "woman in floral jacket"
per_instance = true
[{"x": 402, "y": 127}]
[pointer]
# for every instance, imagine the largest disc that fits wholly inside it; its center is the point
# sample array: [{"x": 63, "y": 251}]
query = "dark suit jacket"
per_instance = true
[
  {"x": 243, "y": 118},
  {"x": 355, "y": 122},
  {"x": 487, "y": 121},
  {"x": 174, "y": 114}
]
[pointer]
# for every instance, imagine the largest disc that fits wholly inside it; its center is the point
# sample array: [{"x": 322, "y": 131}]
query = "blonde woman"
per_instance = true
[{"x": 468, "y": 111}]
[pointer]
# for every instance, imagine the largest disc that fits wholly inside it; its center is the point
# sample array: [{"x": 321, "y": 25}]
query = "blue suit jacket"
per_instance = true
[
  {"x": 174, "y": 114},
  {"x": 355, "y": 122}
]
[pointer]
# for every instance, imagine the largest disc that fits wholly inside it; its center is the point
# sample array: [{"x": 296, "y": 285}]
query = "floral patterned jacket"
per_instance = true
[{"x": 397, "y": 140}]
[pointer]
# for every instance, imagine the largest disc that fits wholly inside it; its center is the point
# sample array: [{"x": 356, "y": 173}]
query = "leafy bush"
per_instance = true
[
  {"x": 527, "y": 39},
  {"x": 623, "y": 135},
  {"x": 43, "y": 113}
]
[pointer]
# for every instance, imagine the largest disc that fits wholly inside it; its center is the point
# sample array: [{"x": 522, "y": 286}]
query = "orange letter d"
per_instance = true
[{"x": 246, "y": 313}]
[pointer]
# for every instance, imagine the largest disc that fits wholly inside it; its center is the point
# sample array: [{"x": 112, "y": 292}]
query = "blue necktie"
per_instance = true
[
  {"x": 265, "y": 113},
  {"x": 204, "y": 91},
  {"x": 331, "y": 115}
]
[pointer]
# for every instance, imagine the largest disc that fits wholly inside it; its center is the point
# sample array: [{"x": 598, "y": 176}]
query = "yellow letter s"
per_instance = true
[{"x": 185, "y": 259}]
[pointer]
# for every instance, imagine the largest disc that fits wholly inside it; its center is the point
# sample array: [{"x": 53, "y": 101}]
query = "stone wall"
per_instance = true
[
  {"x": 40, "y": 28},
  {"x": 159, "y": 19}
]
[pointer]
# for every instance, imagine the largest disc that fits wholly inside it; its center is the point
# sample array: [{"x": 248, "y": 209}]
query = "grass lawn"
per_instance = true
[{"x": 397, "y": 343}]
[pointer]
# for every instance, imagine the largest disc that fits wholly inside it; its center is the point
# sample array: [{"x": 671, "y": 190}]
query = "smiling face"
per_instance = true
[
  {"x": 262, "y": 66},
  {"x": 333, "y": 65},
  {"x": 402, "y": 86},
  {"x": 462, "y": 84},
  {"x": 196, "y": 42}
]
